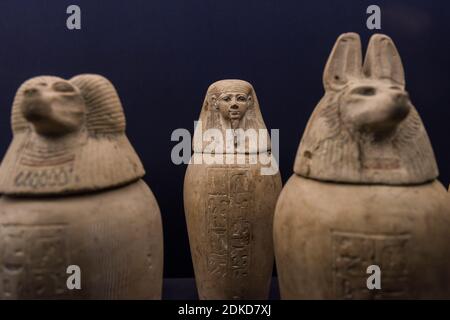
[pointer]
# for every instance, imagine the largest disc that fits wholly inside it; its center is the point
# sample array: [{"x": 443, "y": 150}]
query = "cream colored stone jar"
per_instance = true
[
  {"x": 364, "y": 190},
  {"x": 328, "y": 234},
  {"x": 72, "y": 196},
  {"x": 229, "y": 206}
]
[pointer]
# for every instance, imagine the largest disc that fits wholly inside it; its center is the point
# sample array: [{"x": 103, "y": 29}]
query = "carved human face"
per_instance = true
[
  {"x": 374, "y": 105},
  {"x": 54, "y": 107},
  {"x": 233, "y": 105}
]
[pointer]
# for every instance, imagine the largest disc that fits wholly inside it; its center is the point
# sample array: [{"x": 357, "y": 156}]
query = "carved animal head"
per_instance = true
[
  {"x": 54, "y": 106},
  {"x": 365, "y": 129},
  {"x": 69, "y": 136}
]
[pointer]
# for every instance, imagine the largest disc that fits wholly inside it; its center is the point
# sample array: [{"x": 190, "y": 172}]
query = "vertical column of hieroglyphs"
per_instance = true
[{"x": 229, "y": 202}]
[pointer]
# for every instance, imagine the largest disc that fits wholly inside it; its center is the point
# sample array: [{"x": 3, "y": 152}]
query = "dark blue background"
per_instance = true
[{"x": 162, "y": 54}]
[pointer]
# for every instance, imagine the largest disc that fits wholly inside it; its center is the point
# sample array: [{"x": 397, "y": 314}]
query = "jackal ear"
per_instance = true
[
  {"x": 383, "y": 61},
  {"x": 344, "y": 63}
]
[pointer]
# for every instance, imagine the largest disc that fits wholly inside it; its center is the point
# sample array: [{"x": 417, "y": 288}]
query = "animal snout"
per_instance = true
[
  {"x": 401, "y": 106},
  {"x": 35, "y": 111},
  {"x": 401, "y": 97},
  {"x": 34, "y": 106}
]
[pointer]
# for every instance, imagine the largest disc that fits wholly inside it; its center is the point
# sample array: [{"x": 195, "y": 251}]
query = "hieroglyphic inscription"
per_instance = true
[
  {"x": 229, "y": 204},
  {"x": 33, "y": 261},
  {"x": 354, "y": 252}
]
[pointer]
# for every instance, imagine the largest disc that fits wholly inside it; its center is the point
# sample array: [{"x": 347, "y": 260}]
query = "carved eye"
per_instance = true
[
  {"x": 365, "y": 91},
  {"x": 226, "y": 98},
  {"x": 63, "y": 87},
  {"x": 30, "y": 92},
  {"x": 395, "y": 88},
  {"x": 242, "y": 99}
]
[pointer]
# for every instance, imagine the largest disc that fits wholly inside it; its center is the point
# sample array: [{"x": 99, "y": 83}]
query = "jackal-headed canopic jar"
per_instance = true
[
  {"x": 363, "y": 216},
  {"x": 73, "y": 196},
  {"x": 230, "y": 195}
]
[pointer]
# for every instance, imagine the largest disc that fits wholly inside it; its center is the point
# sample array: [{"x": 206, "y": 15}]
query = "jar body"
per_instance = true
[
  {"x": 113, "y": 236},
  {"x": 326, "y": 235},
  {"x": 229, "y": 213}
]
